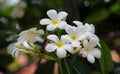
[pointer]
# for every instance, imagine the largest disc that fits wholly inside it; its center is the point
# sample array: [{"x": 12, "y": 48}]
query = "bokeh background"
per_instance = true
[{"x": 19, "y": 15}]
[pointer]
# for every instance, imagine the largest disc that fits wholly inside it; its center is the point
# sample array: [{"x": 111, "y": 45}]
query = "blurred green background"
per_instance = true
[{"x": 18, "y": 15}]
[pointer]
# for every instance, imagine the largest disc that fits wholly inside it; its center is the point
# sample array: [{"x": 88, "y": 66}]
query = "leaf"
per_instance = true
[{"x": 106, "y": 62}]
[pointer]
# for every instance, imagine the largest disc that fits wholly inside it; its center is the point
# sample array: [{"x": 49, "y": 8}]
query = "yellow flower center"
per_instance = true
[
  {"x": 73, "y": 37},
  {"x": 59, "y": 44},
  {"x": 87, "y": 49},
  {"x": 55, "y": 22}
]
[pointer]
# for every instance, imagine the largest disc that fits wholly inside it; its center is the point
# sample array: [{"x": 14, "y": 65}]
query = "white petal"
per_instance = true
[
  {"x": 75, "y": 44},
  {"x": 62, "y": 15},
  {"x": 95, "y": 52},
  {"x": 50, "y": 47},
  {"x": 70, "y": 30},
  {"x": 62, "y": 25},
  {"x": 90, "y": 28},
  {"x": 68, "y": 47},
  {"x": 84, "y": 54},
  {"x": 52, "y": 14},
  {"x": 53, "y": 38},
  {"x": 61, "y": 53},
  {"x": 85, "y": 43},
  {"x": 51, "y": 27},
  {"x": 45, "y": 21},
  {"x": 84, "y": 36},
  {"x": 15, "y": 53},
  {"x": 91, "y": 58},
  {"x": 65, "y": 38},
  {"x": 80, "y": 30},
  {"x": 92, "y": 42},
  {"x": 25, "y": 43},
  {"x": 78, "y": 23}
]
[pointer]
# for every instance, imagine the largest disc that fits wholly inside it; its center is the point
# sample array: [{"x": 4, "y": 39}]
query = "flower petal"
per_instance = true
[
  {"x": 70, "y": 30},
  {"x": 61, "y": 53},
  {"x": 25, "y": 43},
  {"x": 92, "y": 42},
  {"x": 91, "y": 58},
  {"x": 78, "y": 23},
  {"x": 65, "y": 38},
  {"x": 52, "y": 14},
  {"x": 95, "y": 52},
  {"x": 85, "y": 43},
  {"x": 75, "y": 44},
  {"x": 53, "y": 38},
  {"x": 90, "y": 27},
  {"x": 50, "y": 47},
  {"x": 68, "y": 47},
  {"x": 45, "y": 21},
  {"x": 62, "y": 25},
  {"x": 51, "y": 27},
  {"x": 80, "y": 30},
  {"x": 62, "y": 15},
  {"x": 84, "y": 54}
]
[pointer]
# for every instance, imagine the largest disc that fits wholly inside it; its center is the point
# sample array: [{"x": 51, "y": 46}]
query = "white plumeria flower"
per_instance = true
[
  {"x": 75, "y": 34},
  {"x": 89, "y": 30},
  {"x": 89, "y": 50},
  {"x": 26, "y": 40},
  {"x": 60, "y": 45},
  {"x": 55, "y": 21},
  {"x": 29, "y": 35}
]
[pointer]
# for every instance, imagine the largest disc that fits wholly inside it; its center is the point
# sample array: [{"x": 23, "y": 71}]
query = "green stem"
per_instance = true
[
  {"x": 68, "y": 71},
  {"x": 60, "y": 66}
]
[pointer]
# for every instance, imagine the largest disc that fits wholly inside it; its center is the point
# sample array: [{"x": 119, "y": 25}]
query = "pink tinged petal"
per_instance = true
[
  {"x": 96, "y": 53},
  {"x": 68, "y": 47},
  {"x": 61, "y": 53},
  {"x": 53, "y": 38},
  {"x": 75, "y": 44},
  {"x": 85, "y": 43},
  {"x": 78, "y": 23},
  {"x": 45, "y": 21},
  {"x": 70, "y": 30},
  {"x": 62, "y": 25},
  {"x": 91, "y": 58},
  {"x": 62, "y": 15},
  {"x": 51, "y": 27},
  {"x": 25, "y": 43},
  {"x": 65, "y": 38},
  {"x": 52, "y": 14},
  {"x": 50, "y": 47}
]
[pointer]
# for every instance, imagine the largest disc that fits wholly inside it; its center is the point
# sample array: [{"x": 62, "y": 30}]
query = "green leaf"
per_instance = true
[
  {"x": 106, "y": 62},
  {"x": 97, "y": 16}
]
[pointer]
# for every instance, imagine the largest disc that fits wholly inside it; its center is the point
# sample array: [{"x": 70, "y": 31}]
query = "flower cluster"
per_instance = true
[{"x": 79, "y": 39}]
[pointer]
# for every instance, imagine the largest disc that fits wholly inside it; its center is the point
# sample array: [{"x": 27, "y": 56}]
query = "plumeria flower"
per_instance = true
[
  {"x": 74, "y": 34},
  {"x": 89, "y": 50},
  {"x": 55, "y": 21},
  {"x": 26, "y": 40},
  {"x": 89, "y": 30},
  {"x": 30, "y": 35},
  {"x": 61, "y": 45}
]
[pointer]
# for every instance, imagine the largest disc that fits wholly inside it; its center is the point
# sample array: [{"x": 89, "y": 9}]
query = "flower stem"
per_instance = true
[
  {"x": 60, "y": 66},
  {"x": 68, "y": 71}
]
